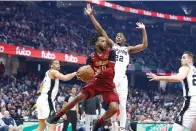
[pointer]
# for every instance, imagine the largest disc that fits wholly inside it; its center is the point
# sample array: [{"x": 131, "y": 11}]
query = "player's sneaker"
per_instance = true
[
  {"x": 53, "y": 119},
  {"x": 96, "y": 126}
]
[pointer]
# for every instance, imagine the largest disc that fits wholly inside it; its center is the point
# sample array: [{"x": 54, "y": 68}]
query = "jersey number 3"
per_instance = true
[
  {"x": 194, "y": 80},
  {"x": 119, "y": 58}
]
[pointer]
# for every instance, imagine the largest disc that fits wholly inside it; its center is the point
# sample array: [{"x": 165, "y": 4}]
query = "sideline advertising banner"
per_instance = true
[
  {"x": 32, "y": 126},
  {"x": 155, "y": 127},
  {"x": 43, "y": 54}
]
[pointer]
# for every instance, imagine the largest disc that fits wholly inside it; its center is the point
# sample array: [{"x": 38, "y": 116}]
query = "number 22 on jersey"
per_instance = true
[{"x": 119, "y": 58}]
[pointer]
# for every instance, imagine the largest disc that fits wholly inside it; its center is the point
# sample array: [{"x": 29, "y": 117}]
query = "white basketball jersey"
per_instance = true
[
  {"x": 50, "y": 86},
  {"x": 189, "y": 83},
  {"x": 122, "y": 59}
]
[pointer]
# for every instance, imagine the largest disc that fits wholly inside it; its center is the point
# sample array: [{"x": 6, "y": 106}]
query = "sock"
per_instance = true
[
  {"x": 60, "y": 113},
  {"x": 100, "y": 121}
]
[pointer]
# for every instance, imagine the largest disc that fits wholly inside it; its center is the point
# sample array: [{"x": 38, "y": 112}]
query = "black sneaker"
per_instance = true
[
  {"x": 53, "y": 119},
  {"x": 96, "y": 126}
]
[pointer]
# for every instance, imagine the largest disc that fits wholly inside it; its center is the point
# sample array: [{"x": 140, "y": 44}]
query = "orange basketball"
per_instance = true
[{"x": 85, "y": 73}]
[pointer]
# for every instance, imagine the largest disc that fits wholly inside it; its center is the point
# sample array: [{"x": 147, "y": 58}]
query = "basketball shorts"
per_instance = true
[
  {"x": 102, "y": 85},
  {"x": 187, "y": 113},
  {"x": 45, "y": 107}
]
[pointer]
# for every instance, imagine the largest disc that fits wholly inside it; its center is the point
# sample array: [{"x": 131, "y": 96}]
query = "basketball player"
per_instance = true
[
  {"x": 103, "y": 62},
  {"x": 49, "y": 89},
  {"x": 122, "y": 61},
  {"x": 187, "y": 75}
]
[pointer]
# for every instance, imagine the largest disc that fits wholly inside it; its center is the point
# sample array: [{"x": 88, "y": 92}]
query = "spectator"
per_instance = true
[
  {"x": 2, "y": 126},
  {"x": 3, "y": 109},
  {"x": 9, "y": 121},
  {"x": 128, "y": 123}
]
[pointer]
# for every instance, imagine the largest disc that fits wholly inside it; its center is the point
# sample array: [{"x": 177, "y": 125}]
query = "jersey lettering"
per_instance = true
[
  {"x": 194, "y": 80},
  {"x": 100, "y": 68},
  {"x": 121, "y": 51},
  {"x": 100, "y": 63},
  {"x": 189, "y": 84},
  {"x": 119, "y": 58}
]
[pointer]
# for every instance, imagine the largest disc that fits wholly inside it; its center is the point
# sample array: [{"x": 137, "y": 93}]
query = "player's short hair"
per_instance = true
[
  {"x": 122, "y": 34},
  {"x": 51, "y": 62},
  {"x": 190, "y": 54},
  {"x": 94, "y": 39}
]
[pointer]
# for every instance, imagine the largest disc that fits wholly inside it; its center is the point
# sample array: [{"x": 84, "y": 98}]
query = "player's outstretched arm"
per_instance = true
[
  {"x": 62, "y": 77},
  {"x": 140, "y": 47},
  {"x": 183, "y": 72},
  {"x": 89, "y": 11}
]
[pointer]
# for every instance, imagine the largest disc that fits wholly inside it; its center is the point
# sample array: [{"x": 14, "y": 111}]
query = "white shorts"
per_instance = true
[
  {"x": 45, "y": 107},
  {"x": 187, "y": 113},
  {"x": 121, "y": 83},
  {"x": 122, "y": 90}
]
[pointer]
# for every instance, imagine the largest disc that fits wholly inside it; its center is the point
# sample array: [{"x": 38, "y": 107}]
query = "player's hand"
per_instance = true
[
  {"x": 77, "y": 75},
  {"x": 89, "y": 9},
  {"x": 140, "y": 26},
  {"x": 152, "y": 76},
  {"x": 65, "y": 117},
  {"x": 97, "y": 72}
]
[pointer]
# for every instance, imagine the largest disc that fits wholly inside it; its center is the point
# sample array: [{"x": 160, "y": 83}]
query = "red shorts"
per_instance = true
[{"x": 102, "y": 85}]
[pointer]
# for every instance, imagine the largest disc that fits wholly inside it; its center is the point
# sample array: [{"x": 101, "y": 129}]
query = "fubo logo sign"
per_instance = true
[
  {"x": 71, "y": 58},
  {"x": 23, "y": 51},
  {"x": 48, "y": 55}
]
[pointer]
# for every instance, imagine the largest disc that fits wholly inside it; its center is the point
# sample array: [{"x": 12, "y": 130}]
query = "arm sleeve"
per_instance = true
[
  {"x": 98, "y": 105},
  {"x": 112, "y": 56},
  {"x": 88, "y": 60},
  {"x": 83, "y": 106}
]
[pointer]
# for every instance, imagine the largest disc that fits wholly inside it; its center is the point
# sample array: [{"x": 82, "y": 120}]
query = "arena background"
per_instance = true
[{"x": 32, "y": 33}]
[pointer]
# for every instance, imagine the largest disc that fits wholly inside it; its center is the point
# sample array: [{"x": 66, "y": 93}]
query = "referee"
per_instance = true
[
  {"x": 72, "y": 115},
  {"x": 89, "y": 107}
]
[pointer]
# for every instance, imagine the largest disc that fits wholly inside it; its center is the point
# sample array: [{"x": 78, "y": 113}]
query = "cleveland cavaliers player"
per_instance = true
[
  {"x": 102, "y": 61},
  {"x": 186, "y": 75},
  {"x": 49, "y": 89},
  {"x": 122, "y": 61}
]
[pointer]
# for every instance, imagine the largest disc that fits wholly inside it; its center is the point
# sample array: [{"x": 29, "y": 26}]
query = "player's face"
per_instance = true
[
  {"x": 73, "y": 91},
  {"x": 120, "y": 38},
  {"x": 185, "y": 60},
  {"x": 56, "y": 65},
  {"x": 101, "y": 43}
]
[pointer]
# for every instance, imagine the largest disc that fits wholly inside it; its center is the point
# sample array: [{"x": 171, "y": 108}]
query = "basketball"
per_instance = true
[{"x": 85, "y": 73}]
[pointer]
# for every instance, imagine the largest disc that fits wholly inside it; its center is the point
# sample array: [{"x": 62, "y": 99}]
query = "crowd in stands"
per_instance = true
[{"x": 69, "y": 32}]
